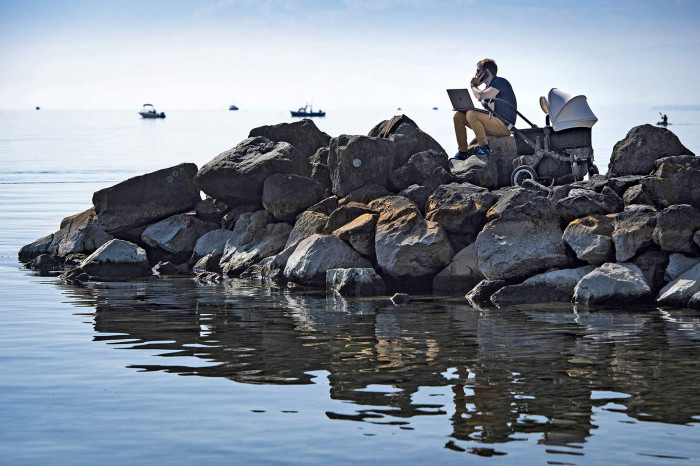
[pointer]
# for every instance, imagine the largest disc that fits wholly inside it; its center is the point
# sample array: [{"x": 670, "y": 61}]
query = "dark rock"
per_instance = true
[
  {"x": 637, "y": 195},
  {"x": 584, "y": 202},
  {"x": 211, "y": 241},
  {"x": 407, "y": 137},
  {"x": 359, "y": 234},
  {"x": 418, "y": 195},
  {"x": 619, "y": 185},
  {"x": 673, "y": 184},
  {"x": 509, "y": 198},
  {"x": 308, "y": 223},
  {"x": 679, "y": 291},
  {"x": 355, "y": 282},
  {"x": 210, "y": 210},
  {"x": 147, "y": 198},
  {"x": 538, "y": 188},
  {"x": 643, "y": 145},
  {"x": 461, "y": 275},
  {"x": 366, "y": 194},
  {"x": 613, "y": 284},
  {"x": 356, "y": 161},
  {"x": 322, "y": 174},
  {"x": 690, "y": 161},
  {"x": 653, "y": 263},
  {"x": 326, "y": 206},
  {"x": 481, "y": 294},
  {"x": 35, "y": 249},
  {"x": 345, "y": 214},
  {"x": 45, "y": 264},
  {"x": 177, "y": 235},
  {"x": 591, "y": 238},
  {"x": 475, "y": 171},
  {"x": 678, "y": 264},
  {"x": 209, "y": 263},
  {"x": 209, "y": 278},
  {"x": 548, "y": 287},
  {"x": 117, "y": 259},
  {"x": 75, "y": 276},
  {"x": 633, "y": 230},
  {"x": 231, "y": 217},
  {"x": 285, "y": 196},
  {"x": 267, "y": 241},
  {"x": 460, "y": 208},
  {"x": 694, "y": 302},
  {"x": 419, "y": 168},
  {"x": 303, "y": 134},
  {"x": 168, "y": 268},
  {"x": 675, "y": 227}
]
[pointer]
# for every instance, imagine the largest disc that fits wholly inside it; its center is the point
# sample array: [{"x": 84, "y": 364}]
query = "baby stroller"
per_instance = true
[{"x": 558, "y": 154}]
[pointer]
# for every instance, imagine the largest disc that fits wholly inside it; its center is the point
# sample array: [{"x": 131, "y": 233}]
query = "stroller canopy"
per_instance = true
[{"x": 568, "y": 110}]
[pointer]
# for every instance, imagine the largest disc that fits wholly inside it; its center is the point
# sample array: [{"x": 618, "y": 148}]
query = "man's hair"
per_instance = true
[{"x": 490, "y": 65}]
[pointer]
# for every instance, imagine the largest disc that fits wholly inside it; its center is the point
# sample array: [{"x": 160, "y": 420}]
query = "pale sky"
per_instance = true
[{"x": 359, "y": 53}]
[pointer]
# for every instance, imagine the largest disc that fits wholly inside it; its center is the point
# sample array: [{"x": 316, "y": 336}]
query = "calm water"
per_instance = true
[{"x": 171, "y": 372}]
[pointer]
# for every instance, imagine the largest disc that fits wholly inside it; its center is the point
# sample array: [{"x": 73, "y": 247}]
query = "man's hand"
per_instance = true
[{"x": 475, "y": 81}]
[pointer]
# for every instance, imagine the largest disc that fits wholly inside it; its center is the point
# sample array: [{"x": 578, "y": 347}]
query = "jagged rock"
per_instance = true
[
  {"x": 409, "y": 249},
  {"x": 345, "y": 214},
  {"x": 272, "y": 268},
  {"x": 461, "y": 275},
  {"x": 690, "y": 161},
  {"x": 209, "y": 263},
  {"x": 35, "y": 249},
  {"x": 355, "y": 282},
  {"x": 355, "y": 161},
  {"x": 554, "y": 286},
  {"x": 460, "y": 208},
  {"x": 232, "y": 216},
  {"x": 177, "y": 234},
  {"x": 147, "y": 198},
  {"x": 210, "y": 210},
  {"x": 418, "y": 195},
  {"x": 510, "y": 198},
  {"x": 267, "y": 241},
  {"x": 680, "y": 290},
  {"x": 523, "y": 241},
  {"x": 591, "y": 238},
  {"x": 637, "y": 195},
  {"x": 44, "y": 264},
  {"x": 481, "y": 294},
  {"x": 673, "y": 184},
  {"x": 326, "y": 206},
  {"x": 475, "y": 171},
  {"x": 678, "y": 264},
  {"x": 643, "y": 145},
  {"x": 322, "y": 174},
  {"x": 612, "y": 283},
  {"x": 168, "y": 268},
  {"x": 359, "y": 234},
  {"x": 365, "y": 194},
  {"x": 619, "y": 185},
  {"x": 316, "y": 255},
  {"x": 286, "y": 195},
  {"x": 584, "y": 202},
  {"x": 320, "y": 156},
  {"x": 237, "y": 175},
  {"x": 560, "y": 192},
  {"x": 303, "y": 134},
  {"x": 307, "y": 224},
  {"x": 117, "y": 259},
  {"x": 74, "y": 276},
  {"x": 533, "y": 185},
  {"x": 210, "y": 241},
  {"x": 407, "y": 137},
  {"x": 675, "y": 228},
  {"x": 400, "y": 298},
  {"x": 419, "y": 168},
  {"x": 249, "y": 226},
  {"x": 652, "y": 263},
  {"x": 694, "y": 302},
  {"x": 633, "y": 230}
]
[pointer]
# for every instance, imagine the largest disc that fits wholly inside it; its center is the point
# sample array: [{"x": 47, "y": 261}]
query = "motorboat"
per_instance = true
[
  {"x": 233, "y": 107},
  {"x": 307, "y": 111},
  {"x": 149, "y": 111}
]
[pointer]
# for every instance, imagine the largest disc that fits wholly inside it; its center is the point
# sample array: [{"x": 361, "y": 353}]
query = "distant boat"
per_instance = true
[
  {"x": 233, "y": 107},
  {"x": 38, "y": 108},
  {"x": 664, "y": 120},
  {"x": 399, "y": 108},
  {"x": 307, "y": 111},
  {"x": 149, "y": 111},
  {"x": 434, "y": 108}
]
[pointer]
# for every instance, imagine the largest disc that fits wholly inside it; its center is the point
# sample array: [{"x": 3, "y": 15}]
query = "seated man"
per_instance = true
[{"x": 482, "y": 123}]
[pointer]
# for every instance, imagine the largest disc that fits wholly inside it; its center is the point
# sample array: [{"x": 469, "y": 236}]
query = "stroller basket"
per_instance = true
[{"x": 566, "y": 139}]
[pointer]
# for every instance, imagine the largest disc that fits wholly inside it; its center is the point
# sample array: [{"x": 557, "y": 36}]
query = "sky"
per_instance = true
[{"x": 353, "y": 53}]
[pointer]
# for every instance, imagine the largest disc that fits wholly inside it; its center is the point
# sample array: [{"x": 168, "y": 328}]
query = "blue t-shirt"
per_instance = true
[{"x": 506, "y": 93}]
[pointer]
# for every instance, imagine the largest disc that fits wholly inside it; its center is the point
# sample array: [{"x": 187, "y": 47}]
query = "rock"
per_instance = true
[
  {"x": 690, "y": 161},
  {"x": 612, "y": 284},
  {"x": 407, "y": 137},
  {"x": 267, "y": 241},
  {"x": 680, "y": 290},
  {"x": 326, "y": 206},
  {"x": 322, "y": 174},
  {"x": 210, "y": 210},
  {"x": 460, "y": 208},
  {"x": 355, "y": 282},
  {"x": 168, "y": 268},
  {"x": 643, "y": 145},
  {"x": 619, "y": 185},
  {"x": 400, "y": 298},
  {"x": 696, "y": 238},
  {"x": 510, "y": 198},
  {"x": 232, "y": 216},
  {"x": 504, "y": 152},
  {"x": 418, "y": 195},
  {"x": 633, "y": 231},
  {"x": 359, "y": 234},
  {"x": 209, "y": 278},
  {"x": 209, "y": 263},
  {"x": 439, "y": 177},
  {"x": 675, "y": 227},
  {"x": 694, "y": 302},
  {"x": 584, "y": 202},
  {"x": 678, "y": 264},
  {"x": 419, "y": 167},
  {"x": 481, "y": 294},
  {"x": 523, "y": 241},
  {"x": 177, "y": 234},
  {"x": 117, "y": 259},
  {"x": 45, "y": 264},
  {"x": 210, "y": 241},
  {"x": 285, "y": 195},
  {"x": 249, "y": 227},
  {"x": 345, "y": 214},
  {"x": 461, "y": 275},
  {"x": 533, "y": 185},
  {"x": 308, "y": 223},
  {"x": 652, "y": 263},
  {"x": 673, "y": 184},
  {"x": 237, "y": 176},
  {"x": 147, "y": 198},
  {"x": 591, "y": 238},
  {"x": 303, "y": 134},
  {"x": 554, "y": 286},
  {"x": 315, "y": 255},
  {"x": 320, "y": 156},
  {"x": 637, "y": 195},
  {"x": 272, "y": 268},
  {"x": 366, "y": 194},
  {"x": 35, "y": 249},
  {"x": 355, "y": 161},
  {"x": 409, "y": 249},
  {"x": 494, "y": 174},
  {"x": 74, "y": 276}
]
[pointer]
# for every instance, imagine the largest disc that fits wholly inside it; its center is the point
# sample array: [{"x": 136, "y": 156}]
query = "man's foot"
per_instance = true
[
  {"x": 484, "y": 150},
  {"x": 460, "y": 155}
]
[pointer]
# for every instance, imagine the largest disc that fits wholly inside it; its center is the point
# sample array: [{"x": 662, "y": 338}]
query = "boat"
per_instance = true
[
  {"x": 148, "y": 111},
  {"x": 38, "y": 108},
  {"x": 233, "y": 107},
  {"x": 307, "y": 111},
  {"x": 664, "y": 120}
]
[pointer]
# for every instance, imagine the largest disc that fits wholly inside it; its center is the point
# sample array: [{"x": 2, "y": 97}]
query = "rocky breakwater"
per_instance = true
[{"x": 370, "y": 215}]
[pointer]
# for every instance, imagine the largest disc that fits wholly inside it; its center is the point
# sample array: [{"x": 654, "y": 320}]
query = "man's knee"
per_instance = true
[
  {"x": 472, "y": 116},
  {"x": 459, "y": 117}
]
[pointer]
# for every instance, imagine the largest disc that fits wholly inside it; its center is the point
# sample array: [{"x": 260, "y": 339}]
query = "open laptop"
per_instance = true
[{"x": 462, "y": 100}]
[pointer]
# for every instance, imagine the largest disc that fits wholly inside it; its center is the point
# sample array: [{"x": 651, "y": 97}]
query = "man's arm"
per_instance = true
[{"x": 488, "y": 93}]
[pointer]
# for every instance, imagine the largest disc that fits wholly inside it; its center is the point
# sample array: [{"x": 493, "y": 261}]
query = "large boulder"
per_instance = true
[
  {"x": 679, "y": 291},
  {"x": 177, "y": 235},
  {"x": 612, "y": 283},
  {"x": 417, "y": 194},
  {"x": 407, "y": 137},
  {"x": 675, "y": 227},
  {"x": 591, "y": 238},
  {"x": 461, "y": 275},
  {"x": 345, "y": 214},
  {"x": 678, "y": 264},
  {"x": 643, "y": 145},
  {"x": 355, "y": 282},
  {"x": 633, "y": 230},
  {"x": 511, "y": 197},
  {"x": 210, "y": 210},
  {"x": 147, "y": 198},
  {"x": 315, "y": 255},
  {"x": 495, "y": 172},
  {"x": 356, "y": 161},
  {"x": 460, "y": 208},
  {"x": 285, "y": 196},
  {"x": 303, "y": 134},
  {"x": 553, "y": 286},
  {"x": 673, "y": 184},
  {"x": 409, "y": 249},
  {"x": 308, "y": 223},
  {"x": 523, "y": 241},
  {"x": 359, "y": 234},
  {"x": 116, "y": 259},
  {"x": 584, "y": 202},
  {"x": 418, "y": 169},
  {"x": 237, "y": 175},
  {"x": 210, "y": 241}
]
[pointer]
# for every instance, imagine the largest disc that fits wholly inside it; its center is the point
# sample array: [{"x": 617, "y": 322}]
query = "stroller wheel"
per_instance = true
[
  {"x": 593, "y": 170},
  {"x": 522, "y": 173}
]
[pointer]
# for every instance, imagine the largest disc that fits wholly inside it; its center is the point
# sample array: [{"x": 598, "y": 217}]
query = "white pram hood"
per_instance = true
[{"x": 569, "y": 111}]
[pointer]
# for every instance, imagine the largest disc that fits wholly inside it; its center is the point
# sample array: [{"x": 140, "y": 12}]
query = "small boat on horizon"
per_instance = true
[
  {"x": 149, "y": 111},
  {"x": 307, "y": 111},
  {"x": 233, "y": 107}
]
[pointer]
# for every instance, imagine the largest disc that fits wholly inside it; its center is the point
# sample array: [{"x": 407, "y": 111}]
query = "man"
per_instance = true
[{"x": 481, "y": 122}]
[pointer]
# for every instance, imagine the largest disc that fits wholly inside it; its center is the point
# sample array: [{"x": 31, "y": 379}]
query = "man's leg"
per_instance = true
[
  {"x": 461, "y": 124},
  {"x": 483, "y": 125}
]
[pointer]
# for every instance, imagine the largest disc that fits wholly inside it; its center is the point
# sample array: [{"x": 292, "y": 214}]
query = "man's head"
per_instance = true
[{"x": 487, "y": 64}]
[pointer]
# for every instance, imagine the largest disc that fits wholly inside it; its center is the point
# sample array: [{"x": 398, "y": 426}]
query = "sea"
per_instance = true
[{"x": 169, "y": 371}]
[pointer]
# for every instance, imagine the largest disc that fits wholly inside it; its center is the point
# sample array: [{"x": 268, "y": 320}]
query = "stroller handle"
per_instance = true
[{"x": 501, "y": 101}]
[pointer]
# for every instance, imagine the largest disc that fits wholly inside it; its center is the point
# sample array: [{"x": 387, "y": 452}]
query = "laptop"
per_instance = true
[{"x": 462, "y": 100}]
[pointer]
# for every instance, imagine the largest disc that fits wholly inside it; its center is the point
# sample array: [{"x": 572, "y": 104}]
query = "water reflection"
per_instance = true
[{"x": 505, "y": 373}]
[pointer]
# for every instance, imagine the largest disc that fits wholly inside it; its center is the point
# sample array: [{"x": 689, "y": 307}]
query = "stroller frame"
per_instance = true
[{"x": 579, "y": 158}]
